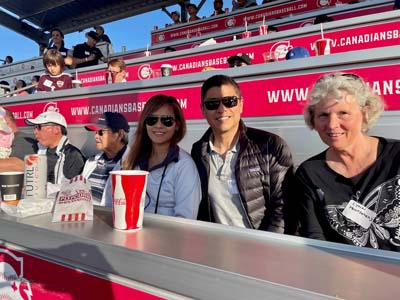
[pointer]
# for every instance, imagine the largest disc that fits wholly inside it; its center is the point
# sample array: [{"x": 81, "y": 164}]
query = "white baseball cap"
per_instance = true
[{"x": 48, "y": 117}]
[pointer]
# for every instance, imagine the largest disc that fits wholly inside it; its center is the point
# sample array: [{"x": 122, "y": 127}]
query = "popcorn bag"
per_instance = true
[{"x": 74, "y": 202}]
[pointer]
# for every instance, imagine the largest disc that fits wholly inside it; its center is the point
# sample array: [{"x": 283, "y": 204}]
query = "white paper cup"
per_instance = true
[
  {"x": 11, "y": 184},
  {"x": 76, "y": 83},
  {"x": 166, "y": 70},
  {"x": 128, "y": 198}
]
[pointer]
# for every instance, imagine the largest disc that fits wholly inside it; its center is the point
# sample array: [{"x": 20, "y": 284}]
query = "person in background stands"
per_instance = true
[
  {"x": 192, "y": 10},
  {"x": 272, "y": 29},
  {"x": 42, "y": 48},
  {"x": 4, "y": 87},
  {"x": 169, "y": 49},
  {"x": 64, "y": 161},
  {"x": 349, "y": 193},
  {"x": 117, "y": 69},
  {"x": 8, "y": 60},
  {"x": 87, "y": 54},
  {"x": 240, "y": 4},
  {"x": 218, "y": 8},
  {"x": 322, "y": 19},
  {"x": 239, "y": 60},
  {"x": 111, "y": 136},
  {"x": 176, "y": 17},
  {"x": 245, "y": 172},
  {"x": 19, "y": 85},
  {"x": 396, "y": 4},
  {"x": 34, "y": 81},
  {"x": 57, "y": 42},
  {"x": 22, "y": 145},
  {"x": 102, "y": 36},
  {"x": 173, "y": 186},
  {"x": 54, "y": 79}
]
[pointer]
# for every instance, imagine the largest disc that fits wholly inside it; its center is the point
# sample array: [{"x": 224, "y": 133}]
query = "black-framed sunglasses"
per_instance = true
[
  {"x": 100, "y": 132},
  {"x": 214, "y": 103},
  {"x": 40, "y": 126},
  {"x": 152, "y": 120}
]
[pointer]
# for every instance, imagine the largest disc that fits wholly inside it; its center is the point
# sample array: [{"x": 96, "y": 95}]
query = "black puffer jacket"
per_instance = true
[{"x": 263, "y": 171}]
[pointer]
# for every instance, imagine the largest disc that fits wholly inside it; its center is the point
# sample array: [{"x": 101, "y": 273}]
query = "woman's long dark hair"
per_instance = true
[{"x": 141, "y": 147}]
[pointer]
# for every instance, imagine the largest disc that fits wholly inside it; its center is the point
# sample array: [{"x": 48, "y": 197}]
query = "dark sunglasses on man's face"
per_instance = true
[
  {"x": 152, "y": 120},
  {"x": 100, "y": 132},
  {"x": 214, "y": 103},
  {"x": 40, "y": 126}
]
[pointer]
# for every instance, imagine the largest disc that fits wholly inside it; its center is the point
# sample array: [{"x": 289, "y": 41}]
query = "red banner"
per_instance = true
[
  {"x": 27, "y": 277},
  {"x": 365, "y": 37},
  {"x": 263, "y": 97},
  {"x": 238, "y": 19}
]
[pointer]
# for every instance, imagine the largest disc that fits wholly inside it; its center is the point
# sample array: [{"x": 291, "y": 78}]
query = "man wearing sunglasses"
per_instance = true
[
  {"x": 111, "y": 137},
  {"x": 244, "y": 171},
  {"x": 64, "y": 161}
]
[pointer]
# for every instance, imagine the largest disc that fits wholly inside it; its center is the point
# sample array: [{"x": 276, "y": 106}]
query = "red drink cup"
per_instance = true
[
  {"x": 263, "y": 29},
  {"x": 322, "y": 46},
  {"x": 147, "y": 53},
  {"x": 269, "y": 57},
  {"x": 246, "y": 34},
  {"x": 128, "y": 197}
]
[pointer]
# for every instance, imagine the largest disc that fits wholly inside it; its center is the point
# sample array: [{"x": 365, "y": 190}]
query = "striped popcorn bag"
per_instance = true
[{"x": 74, "y": 201}]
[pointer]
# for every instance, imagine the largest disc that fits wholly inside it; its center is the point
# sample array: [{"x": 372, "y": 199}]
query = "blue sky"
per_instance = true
[{"x": 132, "y": 32}]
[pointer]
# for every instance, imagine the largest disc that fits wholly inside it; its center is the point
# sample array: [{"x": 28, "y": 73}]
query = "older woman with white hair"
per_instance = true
[{"x": 349, "y": 193}]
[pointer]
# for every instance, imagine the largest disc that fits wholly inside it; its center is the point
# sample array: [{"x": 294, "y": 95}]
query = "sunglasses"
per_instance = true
[
  {"x": 113, "y": 72},
  {"x": 40, "y": 126},
  {"x": 152, "y": 120},
  {"x": 214, "y": 103},
  {"x": 102, "y": 131}
]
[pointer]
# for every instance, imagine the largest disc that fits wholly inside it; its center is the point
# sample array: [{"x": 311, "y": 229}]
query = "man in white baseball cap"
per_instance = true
[{"x": 64, "y": 160}]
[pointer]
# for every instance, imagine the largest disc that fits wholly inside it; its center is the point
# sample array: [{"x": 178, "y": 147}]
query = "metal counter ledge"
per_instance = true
[{"x": 199, "y": 260}]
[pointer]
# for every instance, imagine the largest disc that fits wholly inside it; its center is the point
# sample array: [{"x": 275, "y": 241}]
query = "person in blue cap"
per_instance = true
[
  {"x": 297, "y": 52},
  {"x": 111, "y": 136}
]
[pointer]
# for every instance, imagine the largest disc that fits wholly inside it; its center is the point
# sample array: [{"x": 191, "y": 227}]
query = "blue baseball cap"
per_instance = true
[
  {"x": 114, "y": 121},
  {"x": 297, "y": 52}
]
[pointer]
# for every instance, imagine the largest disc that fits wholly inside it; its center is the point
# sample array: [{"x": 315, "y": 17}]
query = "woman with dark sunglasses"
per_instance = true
[
  {"x": 173, "y": 186},
  {"x": 349, "y": 193}
]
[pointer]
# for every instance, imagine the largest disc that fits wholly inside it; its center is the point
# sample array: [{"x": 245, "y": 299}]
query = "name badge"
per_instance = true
[
  {"x": 359, "y": 214},
  {"x": 87, "y": 53},
  {"x": 48, "y": 83}
]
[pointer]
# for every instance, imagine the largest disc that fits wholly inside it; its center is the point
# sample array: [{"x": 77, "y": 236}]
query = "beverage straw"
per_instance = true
[
  {"x": 147, "y": 49},
  {"x": 245, "y": 24},
  {"x": 263, "y": 20},
  {"x": 322, "y": 31},
  {"x": 76, "y": 74}
]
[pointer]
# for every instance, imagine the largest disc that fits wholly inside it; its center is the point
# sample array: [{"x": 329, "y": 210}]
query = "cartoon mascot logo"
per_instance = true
[
  {"x": 280, "y": 49},
  {"x": 161, "y": 38},
  {"x": 322, "y": 3},
  {"x": 12, "y": 284},
  {"x": 230, "y": 22},
  {"x": 51, "y": 106}
]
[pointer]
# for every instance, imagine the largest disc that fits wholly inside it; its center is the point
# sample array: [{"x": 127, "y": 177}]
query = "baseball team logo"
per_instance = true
[
  {"x": 145, "y": 72},
  {"x": 13, "y": 286}
]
